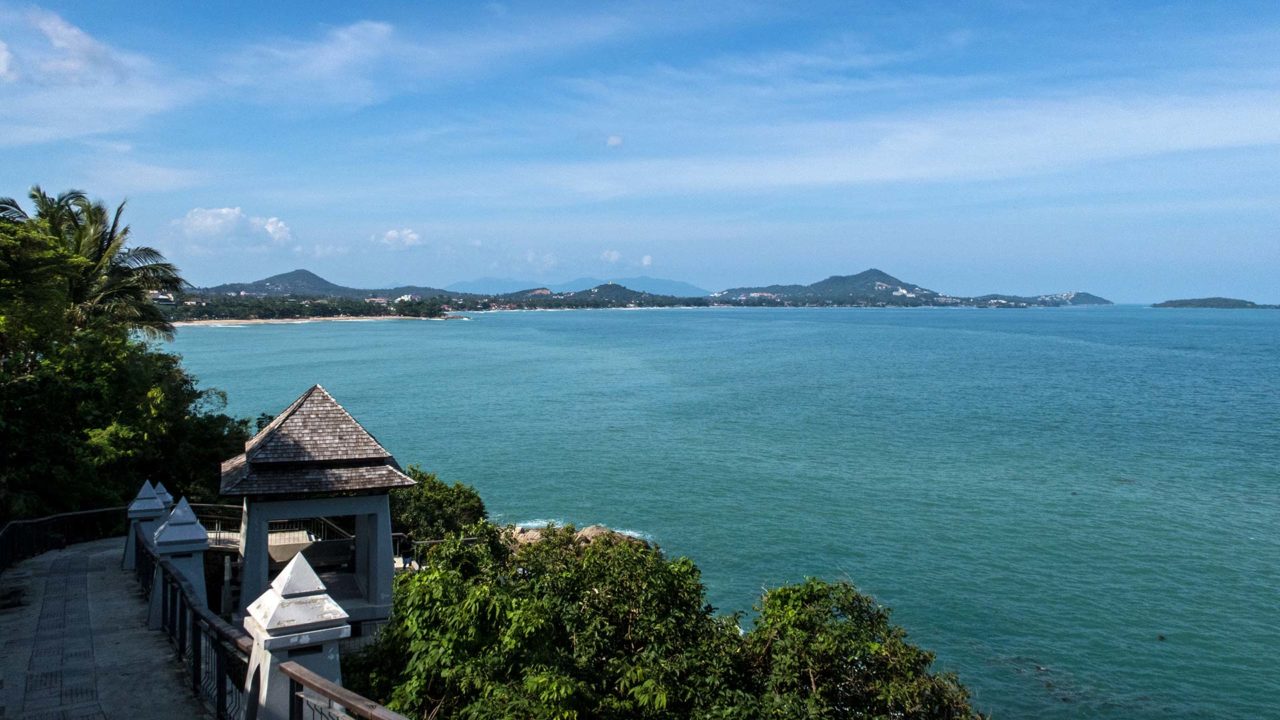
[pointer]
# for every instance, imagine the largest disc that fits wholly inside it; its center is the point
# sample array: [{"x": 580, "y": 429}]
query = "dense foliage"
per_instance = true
[
  {"x": 610, "y": 628},
  {"x": 249, "y": 307},
  {"x": 88, "y": 410},
  {"x": 433, "y": 509}
]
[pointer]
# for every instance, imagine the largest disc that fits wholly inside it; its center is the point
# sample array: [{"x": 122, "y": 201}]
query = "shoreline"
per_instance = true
[{"x": 303, "y": 321}]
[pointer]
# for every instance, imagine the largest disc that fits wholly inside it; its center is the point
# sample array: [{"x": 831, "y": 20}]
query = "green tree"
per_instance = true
[
  {"x": 561, "y": 628},
  {"x": 113, "y": 283},
  {"x": 612, "y": 629},
  {"x": 433, "y": 509},
  {"x": 824, "y": 650},
  {"x": 87, "y": 411}
]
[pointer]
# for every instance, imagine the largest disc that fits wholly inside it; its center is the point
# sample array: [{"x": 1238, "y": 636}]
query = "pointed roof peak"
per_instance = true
[
  {"x": 314, "y": 446},
  {"x": 146, "y": 492},
  {"x": 182, "y": 514},
  {"x": 298, "y": 579},
  {"x": 314, "y": 428}
]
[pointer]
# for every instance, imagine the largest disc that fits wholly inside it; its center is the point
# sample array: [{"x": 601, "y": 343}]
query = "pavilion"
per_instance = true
[{"x": 314, "y": 481}]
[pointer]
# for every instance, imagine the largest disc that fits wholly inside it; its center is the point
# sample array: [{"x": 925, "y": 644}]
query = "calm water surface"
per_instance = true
[{"x": 1040, "y": 495}]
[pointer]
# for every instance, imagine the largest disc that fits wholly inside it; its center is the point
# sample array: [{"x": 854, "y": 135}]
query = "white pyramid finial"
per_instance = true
[
  {"x": 182, "y": 514},
  {"x": 298, "y": 579},
  {"x": 296, "y": 602},
  {"x": 163, "y": 494},
  {"x": 182, "y": 531},
  {"x": 146, "y": 504}
]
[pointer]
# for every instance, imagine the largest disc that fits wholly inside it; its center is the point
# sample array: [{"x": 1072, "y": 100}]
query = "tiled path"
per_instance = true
[{"x": 74, "y": 642}]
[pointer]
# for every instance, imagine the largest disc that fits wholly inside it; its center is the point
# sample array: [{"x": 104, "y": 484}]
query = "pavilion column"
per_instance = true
[
  {"x": 383, "y": 566},
  {"x": 254, "y": 550},
  {"x": 145, "y": 512},
  {"x": 183, "y": 541},
  {"x": 294, "y": 620}
]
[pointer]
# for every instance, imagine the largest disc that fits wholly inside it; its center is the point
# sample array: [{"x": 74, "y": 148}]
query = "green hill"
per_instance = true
[
  {"x": 304, "y": 283},
  {"x": 1218, "y": 303}
]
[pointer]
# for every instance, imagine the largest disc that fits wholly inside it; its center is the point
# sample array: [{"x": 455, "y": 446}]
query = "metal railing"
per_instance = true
[
  {"x": 222, "y": 522},
  {"x": 214, "y": 652},
  {"x": 22, "y": 539}
]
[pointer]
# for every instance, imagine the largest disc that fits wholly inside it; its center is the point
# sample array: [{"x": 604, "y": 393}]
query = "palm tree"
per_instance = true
[{"x": 115, "y": 283}]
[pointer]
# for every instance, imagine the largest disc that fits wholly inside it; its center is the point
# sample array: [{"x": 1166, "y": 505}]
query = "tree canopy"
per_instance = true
[
  {"x": 610, "y": 628},
  {"x": 88, "y": 410}
]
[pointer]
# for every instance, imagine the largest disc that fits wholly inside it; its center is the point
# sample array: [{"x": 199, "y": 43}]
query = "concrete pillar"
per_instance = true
[
  {"x": 255, "y": 552},
  {"x": 295, "y": 619},
  {"x": 183, "y": 540},
  {"x": 145, "y": 511},
  {"x": 383, "y": 567},
  {"x": 164, "y": 496}
]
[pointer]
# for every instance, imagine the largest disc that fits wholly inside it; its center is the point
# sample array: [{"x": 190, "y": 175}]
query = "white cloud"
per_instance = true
[
  {"x": 611, "y": 256},
  {"x": 274, "y": 227},
  {"x": 231, "y": 224},
  {"x": 400, "y": 239},
  {"x": 60, "y": 82},
  {"x": 212, "y": 222},
  {"x": 647, "y": 260},
  {"x": 8, "y": 73},
  {"x": 613, "y": 141}
]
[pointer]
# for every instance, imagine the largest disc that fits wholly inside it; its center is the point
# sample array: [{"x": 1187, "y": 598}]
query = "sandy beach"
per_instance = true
[{"x": 300, "y": 321}]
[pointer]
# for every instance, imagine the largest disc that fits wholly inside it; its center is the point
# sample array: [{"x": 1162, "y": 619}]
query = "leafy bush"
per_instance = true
[
  {"x": 433, "y": 509},
  {"x": 610, "y": 628}
]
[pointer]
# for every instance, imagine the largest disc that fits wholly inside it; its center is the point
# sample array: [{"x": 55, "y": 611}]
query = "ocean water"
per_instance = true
[{"x": 1077, "y": 509}]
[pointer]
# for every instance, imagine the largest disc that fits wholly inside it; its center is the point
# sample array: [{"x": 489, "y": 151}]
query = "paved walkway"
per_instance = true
[{"x": 74, "y": 643}]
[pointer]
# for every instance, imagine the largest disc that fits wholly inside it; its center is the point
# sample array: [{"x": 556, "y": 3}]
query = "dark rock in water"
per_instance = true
[{"x": 1160, "y": 638}]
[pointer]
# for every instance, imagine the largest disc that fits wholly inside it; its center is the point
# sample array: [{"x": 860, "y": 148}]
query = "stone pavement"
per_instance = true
[{"x": 74, "y": 643}]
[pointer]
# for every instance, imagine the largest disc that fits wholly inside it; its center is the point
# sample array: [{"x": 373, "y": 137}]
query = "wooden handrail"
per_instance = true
[
  {"x": 223, "y": 629},
  {"x": 354, "y": 704}
]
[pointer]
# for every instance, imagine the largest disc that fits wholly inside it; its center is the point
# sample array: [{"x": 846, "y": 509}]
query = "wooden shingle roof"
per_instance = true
[{"x": 314, "y": 446}]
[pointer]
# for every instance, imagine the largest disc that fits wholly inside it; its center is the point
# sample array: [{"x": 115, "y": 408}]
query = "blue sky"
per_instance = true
[{"x": 1129, "y": 149}]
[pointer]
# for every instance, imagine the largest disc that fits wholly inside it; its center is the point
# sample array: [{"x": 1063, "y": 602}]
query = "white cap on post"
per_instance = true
[
  {"x": 295, "y": 608},
  {"x": 295, "y": 620},
  {"x": 181, "y": 532},
  {"x": 146, "y": 504},
  {"x": 145, "y": 510},
  {"x": 183, "y": 540},
  {"x": 164, "y": 495}
]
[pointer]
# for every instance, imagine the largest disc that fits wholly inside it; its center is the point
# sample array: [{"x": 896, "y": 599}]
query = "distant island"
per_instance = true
[
  {"x": 1218, "y": 303},
  {"x": 303, "y": 294}
]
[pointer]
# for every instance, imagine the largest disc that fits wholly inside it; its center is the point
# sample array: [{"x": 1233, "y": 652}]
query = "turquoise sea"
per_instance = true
[{"x": 1078, "y": 509}]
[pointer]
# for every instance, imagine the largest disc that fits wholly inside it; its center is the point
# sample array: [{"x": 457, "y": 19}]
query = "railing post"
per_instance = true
[
  {"x": 295, "y": 700},
  {"x": 220, "y": 679},
  {"x": 181, "y": 540},
  {"x": 197, "y": 655},
  {"x": 294, "y": 620},
  {"x": 145, "y": 512}
]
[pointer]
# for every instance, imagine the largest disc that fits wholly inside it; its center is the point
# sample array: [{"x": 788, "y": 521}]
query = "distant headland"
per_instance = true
[
  {"x": 1217, "y": 303},
  {"x": 303, "y": 294}
]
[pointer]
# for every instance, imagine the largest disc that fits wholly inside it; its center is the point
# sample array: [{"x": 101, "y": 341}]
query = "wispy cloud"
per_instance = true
[
  {"x": 58, "y": 82},
  {"x": 366, "y": 62}
]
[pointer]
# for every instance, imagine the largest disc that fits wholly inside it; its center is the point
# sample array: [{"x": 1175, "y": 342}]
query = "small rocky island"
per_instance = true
[{"x": 1217, "y": 303}]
